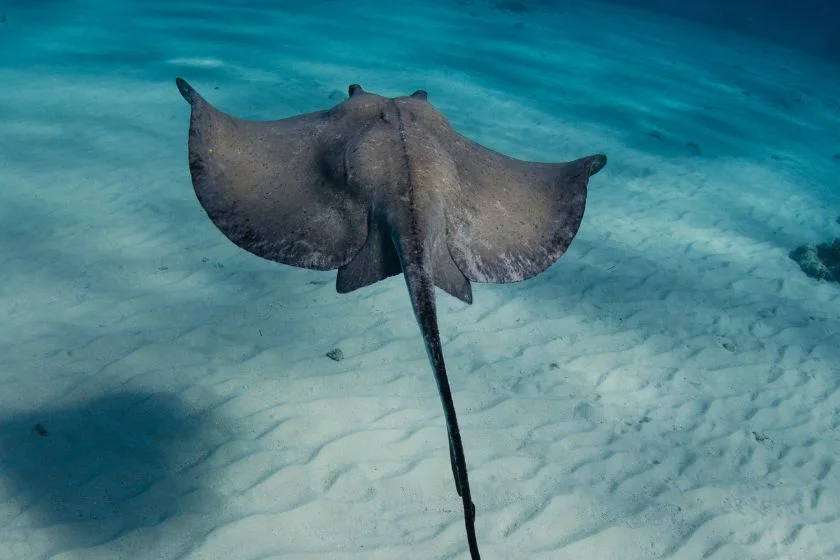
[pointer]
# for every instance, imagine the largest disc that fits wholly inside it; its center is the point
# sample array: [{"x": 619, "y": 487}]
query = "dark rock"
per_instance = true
[
  {"x": 821, "y": 262},
  {"x": 335, "y": 354},
  {"x": 760, "y": 438}
]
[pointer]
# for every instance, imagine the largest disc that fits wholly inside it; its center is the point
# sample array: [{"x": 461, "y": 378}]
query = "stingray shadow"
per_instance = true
[{"x": 82, "y": 475}]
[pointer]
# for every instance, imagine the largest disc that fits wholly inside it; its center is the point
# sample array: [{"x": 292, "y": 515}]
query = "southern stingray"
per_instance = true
[{"x": 378, "y": 186}]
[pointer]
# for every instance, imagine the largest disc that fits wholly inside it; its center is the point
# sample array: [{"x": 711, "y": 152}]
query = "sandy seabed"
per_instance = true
[{"x": 669, "y": 389}]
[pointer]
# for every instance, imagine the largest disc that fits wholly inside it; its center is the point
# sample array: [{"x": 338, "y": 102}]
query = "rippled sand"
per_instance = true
[{"x": 668, "y": 390}]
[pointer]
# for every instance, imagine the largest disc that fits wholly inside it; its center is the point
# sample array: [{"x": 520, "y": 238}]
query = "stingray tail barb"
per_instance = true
[{"x": 419, "y": 278}]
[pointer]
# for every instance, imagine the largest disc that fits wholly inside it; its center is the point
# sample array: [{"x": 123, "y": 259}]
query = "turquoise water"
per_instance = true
[{"x": 668, "y": 389}]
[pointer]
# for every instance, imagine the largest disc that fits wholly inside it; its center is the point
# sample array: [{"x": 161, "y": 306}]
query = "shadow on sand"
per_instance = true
[{"x": 85, "y": 474}]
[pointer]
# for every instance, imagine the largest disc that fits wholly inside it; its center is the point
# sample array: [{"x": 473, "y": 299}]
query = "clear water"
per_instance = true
[{"x": 668, "y": 389}]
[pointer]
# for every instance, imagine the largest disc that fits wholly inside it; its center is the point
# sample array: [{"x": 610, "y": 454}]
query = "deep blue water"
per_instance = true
[{"x": 808, "y": 25}]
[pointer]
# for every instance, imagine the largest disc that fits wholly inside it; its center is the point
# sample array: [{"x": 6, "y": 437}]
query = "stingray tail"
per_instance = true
[{"x": 419, "y": 277}]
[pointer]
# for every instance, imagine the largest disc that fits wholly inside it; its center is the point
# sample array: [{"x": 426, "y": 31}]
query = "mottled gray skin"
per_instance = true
[{"x": 376, "y": 186}]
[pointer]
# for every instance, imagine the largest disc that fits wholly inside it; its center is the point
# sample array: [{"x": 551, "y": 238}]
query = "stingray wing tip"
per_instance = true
[
  {"x": 186, "y": 90},
  {"x": 597, "y": 163}
]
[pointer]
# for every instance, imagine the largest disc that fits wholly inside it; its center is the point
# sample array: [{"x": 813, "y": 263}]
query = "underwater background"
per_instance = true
[
  {"x": 668, "y": 389},
  {"x": 812, "y": 26}
]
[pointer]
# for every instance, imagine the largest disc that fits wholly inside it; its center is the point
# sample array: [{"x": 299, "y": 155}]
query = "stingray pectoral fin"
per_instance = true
[
  {"x": 275, "y": 188},
  {"x": 512, "y": 219},
  {"x": 187, "y": 91},
  {"x": 595, "y": 162}
]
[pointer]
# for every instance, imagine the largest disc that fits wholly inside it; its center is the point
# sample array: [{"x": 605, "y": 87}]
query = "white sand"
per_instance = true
[{"x": 669, "y": 389}]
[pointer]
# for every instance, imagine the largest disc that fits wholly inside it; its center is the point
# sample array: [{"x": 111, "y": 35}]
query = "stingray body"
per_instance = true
[{"x": 378, "y": 186}]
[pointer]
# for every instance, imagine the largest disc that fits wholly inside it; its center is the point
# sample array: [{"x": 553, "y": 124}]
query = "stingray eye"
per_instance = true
[
  {"x": 354, "y": 89},
  {"x": 420, "y": 94}
]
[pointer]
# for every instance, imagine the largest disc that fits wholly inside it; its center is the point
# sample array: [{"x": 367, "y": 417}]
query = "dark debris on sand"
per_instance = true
[{"x": 335, "y": 354}]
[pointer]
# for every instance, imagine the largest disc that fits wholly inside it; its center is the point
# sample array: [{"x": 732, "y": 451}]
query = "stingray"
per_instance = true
[{"x": 378, "y": 186}]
